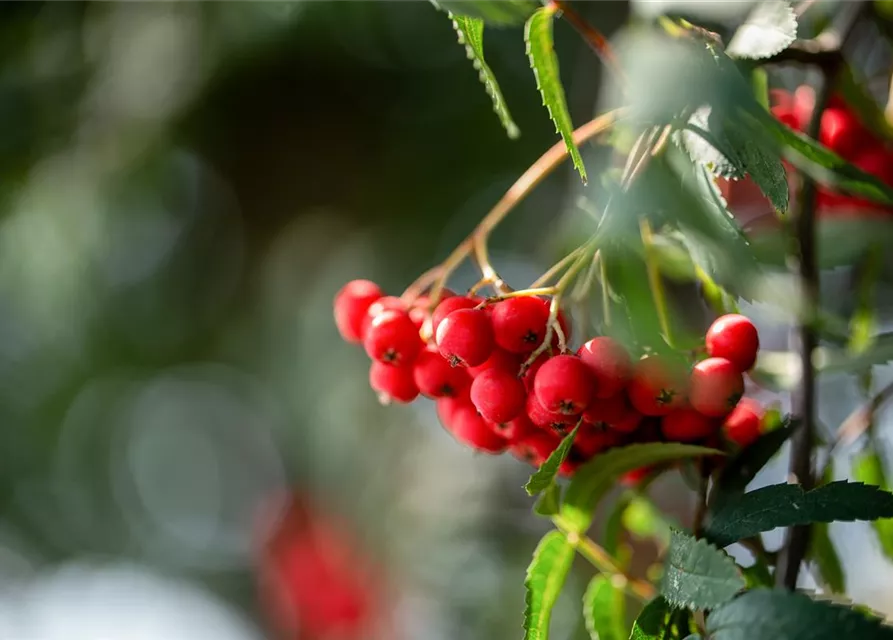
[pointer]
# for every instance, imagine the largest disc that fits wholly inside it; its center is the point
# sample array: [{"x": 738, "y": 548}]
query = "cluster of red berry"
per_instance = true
[
  {"x": 492, "y": 394},
  {"x": 843, "y": 133}
]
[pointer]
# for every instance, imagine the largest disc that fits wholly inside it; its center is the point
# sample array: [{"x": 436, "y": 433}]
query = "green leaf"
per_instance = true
[
  {"x": 819, "y": 163},
  {"x": 604, "y": 608},
  {"x": 830, "y": 360},
  {"x": 743, "y": 468},
  {"x": 769, "y": 614},
  {"x": 770, "y": 28},
  {"x": 596, "y": 477},
  {"x": 652, "y": 621},
  {"x": 614, "y": 523},
  {"x": 863, "y": 323},
  {"x": 545, "y": 475},
  {"x": 697, "y": 575},
  {"x": 545, "y": 576},
  {"x": 549, "y": 501},
  {"x": 823, "y": 553},
  {"x": 644, "y": 520},
  {"x": 787, "y": 505},
  {"x": 544, "y": 62},
  {"x": 868, "y": 467},
  {"x": 471, "y": 34},
  {"x": 706, "y": 147},
  {"x": 499, "y": 13},
  {"x": 757, "y": 575}
]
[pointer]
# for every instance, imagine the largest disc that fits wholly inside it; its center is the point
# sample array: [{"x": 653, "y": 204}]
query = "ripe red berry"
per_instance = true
[
  {"x": 351, "y": 303},
  {"x": 842, "y": 132},
  {"x": 447, "y": 406},
  {"x": 604, "y": 413},
  {"x": 656, "y": 386},
  {"x": 593, "y": 440},
  {"x": 535, "y": 448},
  {"x": 421, "y": 307},
  {"x": 393, "y": 339},
  {"x": 716, "y": 387},
  {"x": 515, "y": 429},
  {"x": 687, "y": 425},
  {"x": 469, "y": 428},
  {"x": 385, "y": 303},
  {"x": 530, "y": 374},
  {"x": 609, "y": 363},
  {"x": 465, "y": 337},
  {"x": 498, "y": 395},
  {"x": 500, "y": 359},
  {"x": 519, "y": 324},
  {"x": 564, "y": 385},
  {"x": 734, "y": 338},
  {"x": 392, "y": 383},
  {"x": 435, "y": 377},
  {"x": 557, "y": 423},
  {"x": 446, "y": 306},
  {"x": 745, "y": 423}
]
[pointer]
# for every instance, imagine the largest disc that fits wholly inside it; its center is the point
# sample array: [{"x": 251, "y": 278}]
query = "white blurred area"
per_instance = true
[{"x": 108, "y": 601}]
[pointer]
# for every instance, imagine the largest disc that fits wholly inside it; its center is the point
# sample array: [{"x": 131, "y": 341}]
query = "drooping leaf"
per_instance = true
[
  {"x": 604, "y": 607},
  {"x": 867, "y": 467},
  {"x": 697, "y": 575},
  {"x": 471, "y": 34},
  {"x": 499, "y": 13},
  {"x": 596, "y": 477},
  {"x": 737, "y": 474},
  {"x": 549, "y": 501},
  {"x": 545, "y": 577},
  {"x": 787, "y": 505},
  {"x": 545, "y": 475},
  {"x": 652, "y": 621},
  {"x": 770, "y": 28},
  {"x": 544, "y": 62},
  {"x": 770, "y": 614}
]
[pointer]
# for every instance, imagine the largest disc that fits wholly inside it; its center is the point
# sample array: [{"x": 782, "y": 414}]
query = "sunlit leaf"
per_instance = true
[
  {"x": 543, "y": 477},
  {"x": 770, "y": 28},
  {"x": 499, "y": 13},
  {"x": 545, "y": 577},
  {"x": 604, "y": 608},
  {"x": 868, "y": 467}
]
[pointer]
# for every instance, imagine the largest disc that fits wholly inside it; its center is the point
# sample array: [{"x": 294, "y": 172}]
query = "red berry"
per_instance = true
[
  {"x": 564, "y": 385},
  {"x": 446, "y": 306},
  {"x": 608, "y": 412},
  {"x": 535, "y": 448},
  {"x": 392, "y": 383},
  {"x": 734, "y": 338},
  {"x": 530, "y": 374},
  {"x": 557, "y": 423},
  {"x": 842, "y": 132},
  {"x": 435, "y": 377},
  {"x": 351, "y": 303},
  {"x": 393, "y": 339},
  {"x": 609, "y": 363},
  {"x": 716, "y": 387},
  {"x": 592, "y": 440},
  {"x": 386, "y": 303},
  {"x": 465, "y": 337},
  {"x": 500, "y": 359},
  {"x": 498, "y": 395},
  {"x": 421, "y": 308},
  {"x": 514, "y": 429},
  {"x": 687, "y": 425},
  {"x": 745, "y": 423},
  {"x": 656, "y": 387},
  {"x": 519, "y": 324},
  {"x": 447, "y": 406},
  {"x": 469, "y": 428}
]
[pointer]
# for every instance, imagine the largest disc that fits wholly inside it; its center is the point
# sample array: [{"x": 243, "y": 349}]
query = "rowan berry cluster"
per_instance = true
[
  {"x": 841, "y": 130},
  {"x": 494, "y": 393}
]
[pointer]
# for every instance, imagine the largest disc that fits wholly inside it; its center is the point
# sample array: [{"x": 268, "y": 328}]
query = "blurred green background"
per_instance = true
[{"x": 184, "y": 186}]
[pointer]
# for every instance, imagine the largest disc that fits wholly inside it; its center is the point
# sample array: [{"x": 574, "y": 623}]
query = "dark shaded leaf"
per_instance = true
[
  {"x": 500, "y": 13},
  {"x": 823, "y": 553},
  {"x": 770, "y": 28},
  {"x": 697, "y": 575},
  {"x": 787, "y": 505},
  {"x": 471, "y": 34},
  {"x": 596, "y": 477},
  {"x": 544, "y": 62},
  {"x": 652, "y": 621},
  {"x": 784, "y": 615},
  {"x": 743, "y": 468},
  {"x": 868, "y": 467},
  {"x": 545, "y": 577},
  {"x": 543, "y": 477},
  {"x": 549, "y": 501},
  {"x": 604, "y": 607}
]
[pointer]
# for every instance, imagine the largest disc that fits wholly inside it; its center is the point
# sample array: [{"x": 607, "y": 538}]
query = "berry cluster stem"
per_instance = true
[{"x": 532, "y": 177}]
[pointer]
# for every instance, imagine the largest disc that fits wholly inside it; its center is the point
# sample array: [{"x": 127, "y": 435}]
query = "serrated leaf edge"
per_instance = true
[
  {"x": 703, "y": 543},
  {"x": 792, "y": 21},
  {"x": 551, "y": 538}
]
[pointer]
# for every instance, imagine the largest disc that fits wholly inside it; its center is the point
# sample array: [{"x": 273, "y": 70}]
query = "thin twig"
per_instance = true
[
  {"x": 701, "y": 504},
  {"x": 860, "y": 419}
]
